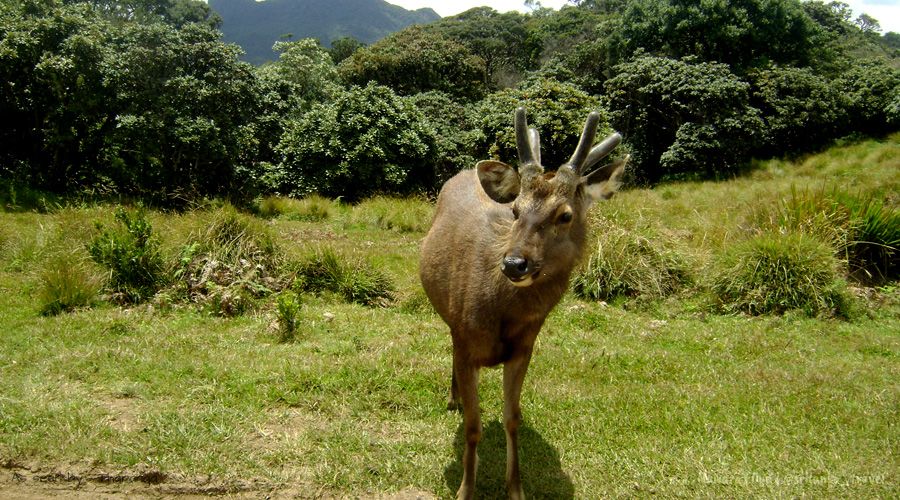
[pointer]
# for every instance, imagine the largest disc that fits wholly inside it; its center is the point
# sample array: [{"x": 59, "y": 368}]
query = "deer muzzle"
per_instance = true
[{"x": 519, "y": 270}]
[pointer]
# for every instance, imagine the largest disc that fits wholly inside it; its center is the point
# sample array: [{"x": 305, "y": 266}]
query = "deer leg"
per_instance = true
[
  {"x": 513, "y": 377},
  {"x": 453, "y": 404},
  {"x": 467, "y": 385}
]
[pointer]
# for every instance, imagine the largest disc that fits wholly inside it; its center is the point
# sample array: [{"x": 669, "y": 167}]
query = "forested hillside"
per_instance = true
[
  {"x": 255, "y": 26},
  {"x": 146, "y": 99}
]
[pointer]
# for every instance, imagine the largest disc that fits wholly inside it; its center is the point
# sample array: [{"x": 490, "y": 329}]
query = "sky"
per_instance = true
[{"x": 886, "y": 11}]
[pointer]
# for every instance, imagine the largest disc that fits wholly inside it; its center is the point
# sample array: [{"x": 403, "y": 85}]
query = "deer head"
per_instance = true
[{"x": 548, "y": 210}]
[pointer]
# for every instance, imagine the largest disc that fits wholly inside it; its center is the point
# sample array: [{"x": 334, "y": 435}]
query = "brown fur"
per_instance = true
[{"x": 493, "y": 321}]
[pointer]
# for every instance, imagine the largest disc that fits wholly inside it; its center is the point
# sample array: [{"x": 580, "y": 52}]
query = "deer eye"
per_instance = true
[{"x": 565, "y": 217}]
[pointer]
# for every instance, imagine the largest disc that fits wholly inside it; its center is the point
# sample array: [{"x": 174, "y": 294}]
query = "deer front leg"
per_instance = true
[
  {"x": 513, "y": 377},
  {"x": 467, "y": 385}
]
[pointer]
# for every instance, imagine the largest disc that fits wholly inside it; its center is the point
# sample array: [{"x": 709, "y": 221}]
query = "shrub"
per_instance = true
[
  {"x": 802, "y": 110},
  {"x": 405, "y": 215},
  {"x": 628, "y": 264},
  {"x": 776, "y": 273},
  {"x": 229, "y": 264},
  {"x": 131, "y": 253},
  {"x": 66, "y": 285},
  {"x": 683, "y": 118},
  {"x": 325, "y": 271},
  {"x": 288, "y": 308},
  {"x": 368, "y": 140}
]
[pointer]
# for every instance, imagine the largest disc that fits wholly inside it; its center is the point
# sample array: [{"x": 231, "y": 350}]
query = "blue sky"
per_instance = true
[{"x": 886, "y": 11}]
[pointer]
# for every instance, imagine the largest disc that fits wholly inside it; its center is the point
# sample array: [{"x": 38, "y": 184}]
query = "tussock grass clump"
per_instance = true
[
  {"x": 229, "y": 263},
  {"x": 66, "y": 284},
  {"x": 313, "y": 208},
  {"x": 860, "y": 228},
  {"x": 131, "y": 253},
  {"x": 359, "y": 282},
  {"x": 776, "y": 273},
  {"x": 625, "y": 263},
  {"x": 873, "y": 249},
  {"x": 405, "y": 215}
]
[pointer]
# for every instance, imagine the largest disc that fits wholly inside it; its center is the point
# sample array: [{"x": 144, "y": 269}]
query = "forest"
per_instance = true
[{"x": 142, "y": 99}]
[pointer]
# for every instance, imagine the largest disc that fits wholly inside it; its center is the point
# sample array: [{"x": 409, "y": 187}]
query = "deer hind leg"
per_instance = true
[
  {"x": 513, "y": 376},
  {"x": 453, "y": 404},
  {"x": 467, "y": 386}
]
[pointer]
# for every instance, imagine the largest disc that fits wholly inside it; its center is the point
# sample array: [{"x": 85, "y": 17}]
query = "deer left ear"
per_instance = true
[
  {"x": 602, "y": 183},
  {"x": 499, "y": 180}
]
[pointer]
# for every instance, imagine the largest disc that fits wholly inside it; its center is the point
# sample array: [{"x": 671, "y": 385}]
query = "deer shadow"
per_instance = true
[{"x": 540, "y": 469}]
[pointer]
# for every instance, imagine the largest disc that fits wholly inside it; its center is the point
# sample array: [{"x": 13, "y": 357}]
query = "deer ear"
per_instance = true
[
  {"x": 499, "y": 180},
  {"x": 602, "y": 183}
]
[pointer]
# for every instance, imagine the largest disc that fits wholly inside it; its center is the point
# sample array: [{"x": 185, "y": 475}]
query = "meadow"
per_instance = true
[{"x": 289, "y": 350}]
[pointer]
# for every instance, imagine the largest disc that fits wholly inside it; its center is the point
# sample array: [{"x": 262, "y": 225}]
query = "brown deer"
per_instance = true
[{"x": 496, "y": 261}]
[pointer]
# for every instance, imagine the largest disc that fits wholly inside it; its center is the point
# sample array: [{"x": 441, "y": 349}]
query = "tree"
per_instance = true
[
  {"x": 308, "y": 67},
  {"x": 186, "y": 113},
  {"x": 868, "y": 24},
  {"x": 740, "y": 33},
  {"x": 801, "y": 110},
  {"x": 368, "y": 140},
  {"x": 344, "y": 47},
  {"x": 502, "y": 41},
  {"x": 682, "y": 117},
  {"x": 174, "y": 12},
  {"x": 556, "y": 109},
  {"x": 415, "y": 60},
  {"x": 54, "y": 100},
  {"x": 869, "y": 88}
]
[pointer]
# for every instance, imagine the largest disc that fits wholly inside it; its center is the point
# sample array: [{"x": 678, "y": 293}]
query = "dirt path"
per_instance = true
[{"x": 23, "y": 482}]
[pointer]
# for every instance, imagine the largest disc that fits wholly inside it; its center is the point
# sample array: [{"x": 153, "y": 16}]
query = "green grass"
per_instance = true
[{"x": 669, "y": 399}]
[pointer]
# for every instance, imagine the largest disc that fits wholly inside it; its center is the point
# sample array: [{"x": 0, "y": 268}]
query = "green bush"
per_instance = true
[
  {"x": 66, "y": 285},
  {"x": 325, "y": 271},
  {"x": 683, "y": 118},
  {"x": 625, "y": 263},
  {"x": 775, "y": 273},
  {"x": 132, "y": 255},
  {"x": 416, "y": 60},
  {"x": 802, "y": 110},
  {"x": 368, "y": 140}
]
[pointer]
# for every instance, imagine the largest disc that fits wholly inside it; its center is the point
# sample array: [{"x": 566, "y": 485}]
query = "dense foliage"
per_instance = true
[{"x": 144, "y": 99}]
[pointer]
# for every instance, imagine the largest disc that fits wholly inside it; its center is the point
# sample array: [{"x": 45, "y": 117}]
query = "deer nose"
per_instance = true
[{"x": 515, "y": 267}]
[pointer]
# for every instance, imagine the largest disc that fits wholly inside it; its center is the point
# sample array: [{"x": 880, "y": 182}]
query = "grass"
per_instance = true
[{"x": 667, "y": 399}]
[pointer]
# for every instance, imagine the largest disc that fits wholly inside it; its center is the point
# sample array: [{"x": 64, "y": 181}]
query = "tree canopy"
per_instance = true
[{"x": 143, "y": 98}]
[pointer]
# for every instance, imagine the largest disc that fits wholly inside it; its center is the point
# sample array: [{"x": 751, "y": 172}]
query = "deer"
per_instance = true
[{"x": 497, "y": 259}]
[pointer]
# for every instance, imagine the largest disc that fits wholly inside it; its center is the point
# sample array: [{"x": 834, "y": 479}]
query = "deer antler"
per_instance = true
[
  {"x": 601, "y": 150},
  {"x": 576, "y": 163},
  {"x": 528, "y": 143}
]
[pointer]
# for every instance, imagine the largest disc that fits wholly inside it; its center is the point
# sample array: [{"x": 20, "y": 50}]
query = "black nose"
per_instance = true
[{"x": 515, "y": 267}]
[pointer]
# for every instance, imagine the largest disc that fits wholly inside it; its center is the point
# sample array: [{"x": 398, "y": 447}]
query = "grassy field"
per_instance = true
[{"x": 664, "y": 394}]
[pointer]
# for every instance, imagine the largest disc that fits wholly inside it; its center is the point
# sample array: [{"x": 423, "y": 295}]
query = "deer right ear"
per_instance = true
[{"x": 499, "y": 180}]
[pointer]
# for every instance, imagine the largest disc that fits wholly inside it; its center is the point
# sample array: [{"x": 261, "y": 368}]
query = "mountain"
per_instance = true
[{"x": 256, "y": 26}]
